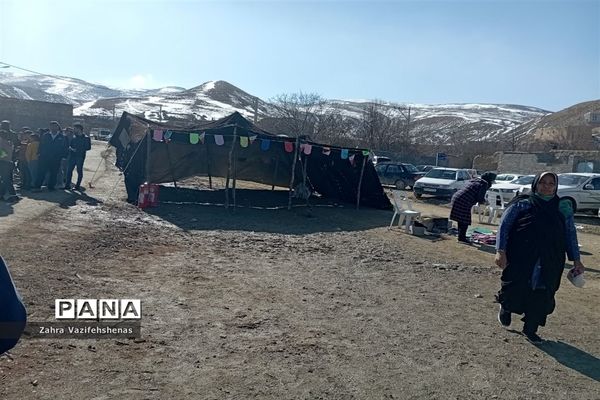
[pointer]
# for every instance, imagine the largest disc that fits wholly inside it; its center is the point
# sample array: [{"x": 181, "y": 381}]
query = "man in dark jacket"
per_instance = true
[
  {"x": 53, "y": 148},
  {"x": 78, "y": 146},
  {"x": 8, "y": 141}
]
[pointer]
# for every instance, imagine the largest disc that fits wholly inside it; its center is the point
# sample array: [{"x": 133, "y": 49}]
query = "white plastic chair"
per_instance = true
[
  {"x": 403, "y": 209},
  {"x": 480, "y": 210},
  {"x": 495, "y": 206}
]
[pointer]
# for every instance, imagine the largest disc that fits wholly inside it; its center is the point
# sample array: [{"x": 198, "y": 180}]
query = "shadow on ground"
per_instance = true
[
  {"x": 64, "y": 198},
  {"x": 262, "y": 211},
  {"x": 574, "y": 358}
]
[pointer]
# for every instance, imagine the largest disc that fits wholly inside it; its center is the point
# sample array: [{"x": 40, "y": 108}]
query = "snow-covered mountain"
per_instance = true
[
  {"x": 452, "y": 123},
  {"x": 443, "y": 123}
]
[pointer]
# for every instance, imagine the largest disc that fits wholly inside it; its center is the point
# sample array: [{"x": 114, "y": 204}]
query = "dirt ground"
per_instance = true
[{"x": 277, "y": 304}]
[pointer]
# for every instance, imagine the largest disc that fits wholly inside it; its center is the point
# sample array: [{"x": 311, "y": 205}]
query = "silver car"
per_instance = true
[{"x": 582, "y": 189}]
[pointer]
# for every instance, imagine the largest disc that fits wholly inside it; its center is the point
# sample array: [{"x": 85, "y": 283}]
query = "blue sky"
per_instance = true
[{"x": 536, "y": 53}]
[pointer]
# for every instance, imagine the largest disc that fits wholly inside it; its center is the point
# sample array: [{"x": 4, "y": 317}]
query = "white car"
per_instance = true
[
  {"x": 511, "y": 189},
  {"x": 441, "y": 182},
  {"x": 507, "y": 178},
  {"x": 581, "y": 188}
]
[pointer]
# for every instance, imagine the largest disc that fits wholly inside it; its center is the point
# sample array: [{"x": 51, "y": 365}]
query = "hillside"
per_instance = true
[
  {"x": 434, "y": 124},
  {"x": 571, "y": 116}
]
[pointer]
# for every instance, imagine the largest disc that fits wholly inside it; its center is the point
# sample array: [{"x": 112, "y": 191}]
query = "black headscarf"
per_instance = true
[
  {"x": 535, "y": 200},
  {"x": 489, "y": 177},
  {"x": 539, "y": 177}
]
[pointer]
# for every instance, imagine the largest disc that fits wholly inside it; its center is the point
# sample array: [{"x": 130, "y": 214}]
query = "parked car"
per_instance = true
[
  {"x": 380, "y": 159},
  {"x": 100, "y": 134},
  {"x": 425, "y": 168},
  {"x": 507, "y": 178},
  {"x": 442, "y": 182},
  {"x": 399, "y": 175},
  {"x": 508, "y": 190},
  {"x": 581, "y": 188}
]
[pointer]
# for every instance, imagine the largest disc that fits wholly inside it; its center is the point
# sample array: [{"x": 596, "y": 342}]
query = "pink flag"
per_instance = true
[
  {"x": 289, "y": 147},
  {"x": 158, "y": 135},
  {"x": 307, "y": 149}
]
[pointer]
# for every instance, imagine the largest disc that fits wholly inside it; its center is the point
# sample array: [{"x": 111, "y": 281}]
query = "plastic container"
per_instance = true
[{"x": 576, "y": 280}]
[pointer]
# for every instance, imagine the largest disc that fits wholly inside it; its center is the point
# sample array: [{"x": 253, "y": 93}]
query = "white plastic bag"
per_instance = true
[{"x": 576, "y": 280}]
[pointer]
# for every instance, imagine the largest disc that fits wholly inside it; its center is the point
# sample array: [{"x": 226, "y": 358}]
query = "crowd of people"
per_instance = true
[{"x": 46, "y": 157}]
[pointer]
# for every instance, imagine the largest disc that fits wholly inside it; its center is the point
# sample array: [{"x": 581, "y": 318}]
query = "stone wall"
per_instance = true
[
  {"x": 34, "y": 114},
  {"x": 558, "y": 161}
]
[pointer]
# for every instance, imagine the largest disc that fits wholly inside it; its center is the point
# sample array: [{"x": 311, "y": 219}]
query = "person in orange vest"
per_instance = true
[{"x": 31, "y": 155}]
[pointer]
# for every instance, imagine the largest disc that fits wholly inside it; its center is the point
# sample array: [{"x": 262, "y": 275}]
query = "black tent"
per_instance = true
[{"x": 153, "y": 152}]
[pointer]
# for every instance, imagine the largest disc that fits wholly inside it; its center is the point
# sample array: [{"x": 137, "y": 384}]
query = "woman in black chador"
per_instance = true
[{"x": 535, "y": 233}]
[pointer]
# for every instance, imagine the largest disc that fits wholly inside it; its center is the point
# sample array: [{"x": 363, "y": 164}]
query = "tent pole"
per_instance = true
[
  {"x": 362, "y": 172},
  {"x": 171, "y": 165},
  {"x": 229, "y": 168},
  {"x": 275, "y": 173},
  {"x": 304, "y": 164},
  {"x": 208, "y": 163},
  {"x": 148, "y": 144},
  {"x": 234, "y": 174},
  {"x": 293, "y": 173}
]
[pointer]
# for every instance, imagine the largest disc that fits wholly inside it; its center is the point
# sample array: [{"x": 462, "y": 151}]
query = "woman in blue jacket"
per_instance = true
[{"x": 535, "y": 232}]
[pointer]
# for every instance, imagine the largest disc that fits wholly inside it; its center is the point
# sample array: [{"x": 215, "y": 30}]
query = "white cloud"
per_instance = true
[{"x": 141, "y": 81}]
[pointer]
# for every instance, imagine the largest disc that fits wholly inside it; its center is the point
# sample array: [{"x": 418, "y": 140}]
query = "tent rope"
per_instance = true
[{"x": 102, "y": 159}]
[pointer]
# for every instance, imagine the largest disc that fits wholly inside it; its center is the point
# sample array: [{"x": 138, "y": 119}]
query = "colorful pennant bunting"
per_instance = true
[
  {"x": 365, "y": 152},
  {"x": 252, "y": 138},
  {"x": 351, "y": 159},
  {"x": 194, "y": 138},
  {"x": 157, "y": 135},
  {"x": 307, "y": 149},
  {"x": 344, "y": 154},
  {"x": 167, "y": 136},
  {"x": 326, "y": 151},
  {"x": 219, "y": 140},
  {"x": 289, "y": 146},
  {"x": 244, "y": 141}
]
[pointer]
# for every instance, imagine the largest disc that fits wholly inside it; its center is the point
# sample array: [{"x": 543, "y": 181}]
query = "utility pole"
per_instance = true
[
  {"x": 255, "y": 109},
  {"x": 408, "y": 123}
]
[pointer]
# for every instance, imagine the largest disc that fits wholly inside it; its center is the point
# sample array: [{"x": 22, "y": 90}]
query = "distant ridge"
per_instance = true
[{"x": 433, "y": 124}]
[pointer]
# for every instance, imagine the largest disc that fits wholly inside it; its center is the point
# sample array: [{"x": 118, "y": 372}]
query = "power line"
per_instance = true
[{"x": 38, "y": 73}]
